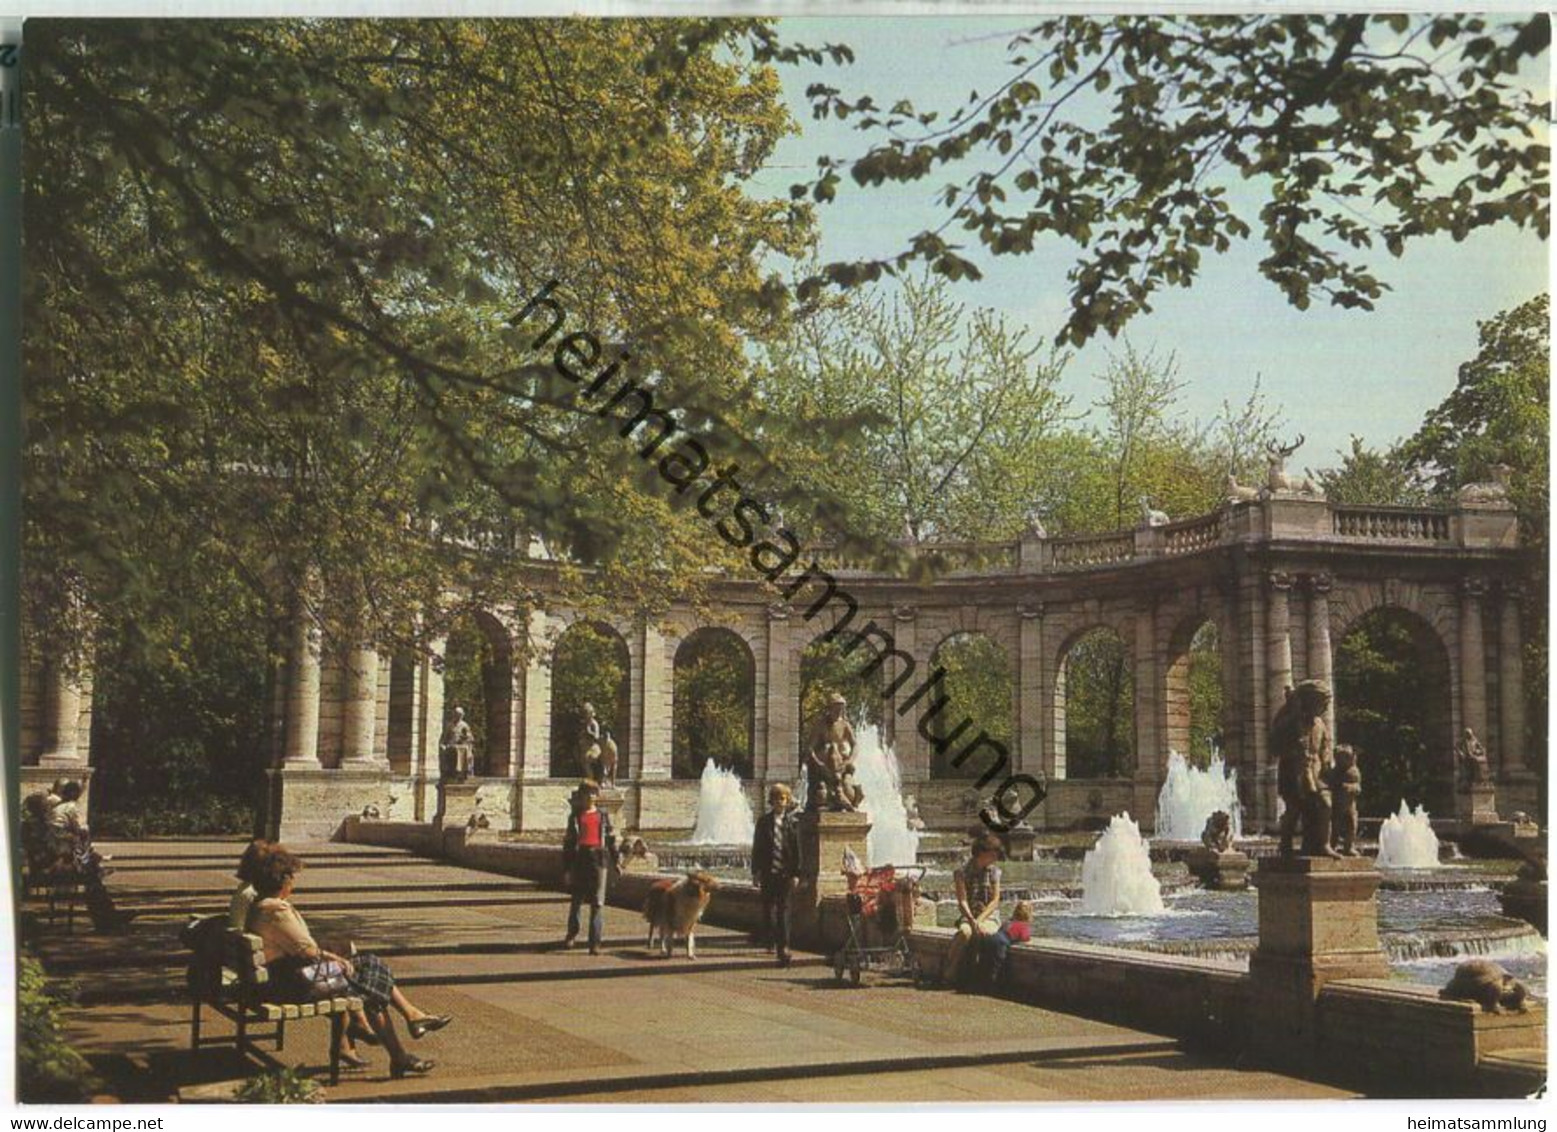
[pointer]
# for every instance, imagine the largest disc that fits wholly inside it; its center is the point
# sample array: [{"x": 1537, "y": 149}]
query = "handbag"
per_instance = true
[{"x": 323, "y": 978}]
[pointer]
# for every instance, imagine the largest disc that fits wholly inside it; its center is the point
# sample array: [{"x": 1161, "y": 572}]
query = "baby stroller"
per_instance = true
[{"x": 880, "y": 912}]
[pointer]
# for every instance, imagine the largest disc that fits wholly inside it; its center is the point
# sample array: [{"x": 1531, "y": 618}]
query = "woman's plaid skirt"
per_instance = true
[{"x": 372, "y": 980}]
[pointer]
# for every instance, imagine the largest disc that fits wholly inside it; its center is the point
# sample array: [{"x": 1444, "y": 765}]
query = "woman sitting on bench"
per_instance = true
[{"x": 301, "y": 967}]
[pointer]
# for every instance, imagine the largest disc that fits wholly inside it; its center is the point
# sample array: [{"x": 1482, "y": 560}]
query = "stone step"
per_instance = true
[
  {"x": 738, "y": 1066},
  {"x": 135, "y": 989},
  {"x": 1513, "y": 1072}
]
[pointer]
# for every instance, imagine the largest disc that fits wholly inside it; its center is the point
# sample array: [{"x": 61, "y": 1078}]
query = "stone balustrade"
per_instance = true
[
  {"x": 1088, "y": 551},
  {"x": 1391, "y": 524}
]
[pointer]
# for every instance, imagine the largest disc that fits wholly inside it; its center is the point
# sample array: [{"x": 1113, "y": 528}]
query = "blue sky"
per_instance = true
[{"x": 1331, "y": 372}]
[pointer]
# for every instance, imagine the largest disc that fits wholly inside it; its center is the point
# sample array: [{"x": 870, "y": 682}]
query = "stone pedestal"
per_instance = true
[
  {"x": 1019, "y": 841},
  {"x": 1524, "y": 898},
  {"x": 823, "y": 837},
  {"x": 310, "y": 803},
  {"x": 1476, "y": 805},
  {"x": 610, "y": 802},
  {"x": 1227, "y": 871},
  {"x": 1319, "y": 922},
  {"x": 458, "y": 802}
]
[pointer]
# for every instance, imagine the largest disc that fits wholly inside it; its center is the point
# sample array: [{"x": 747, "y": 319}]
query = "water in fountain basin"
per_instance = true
[
  {"x": 1116, "y": 874},
  {"x": 723, "y": 813},
  {"x": 1189, "y": 796},
  {"x": 890, "y": 841},
  {"x": 1407, "y": 841}
]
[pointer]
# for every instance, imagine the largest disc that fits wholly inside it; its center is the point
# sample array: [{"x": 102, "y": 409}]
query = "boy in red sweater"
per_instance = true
[{"x": 994, "y": 947}]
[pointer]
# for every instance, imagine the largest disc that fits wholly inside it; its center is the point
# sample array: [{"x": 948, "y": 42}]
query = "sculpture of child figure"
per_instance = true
[{"x": 1345, "y": 787}]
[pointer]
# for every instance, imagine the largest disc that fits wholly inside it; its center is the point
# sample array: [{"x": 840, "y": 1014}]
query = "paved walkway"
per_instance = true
[{"x": 534, "y": 1022}]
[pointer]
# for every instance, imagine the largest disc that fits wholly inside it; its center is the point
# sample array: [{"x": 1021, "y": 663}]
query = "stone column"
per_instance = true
[
  {"x": 1278, "y": 661},
  {"x": 359, "y": 714},
  {"x": 535, "y": 725},
  {"x": 1320, "y": 665},
  {"x": 1473, "y": 658},
  {"x": 1028, "y": 756},
  {"x": 778, "y": 759},
  {"x": 1513, "y": 750},
  {"x": 652, "y": 688},
  {"x": 301, "y": 748},
  {"x": 913, "y": 753},
  {"x": 61, "y": 730},
  {"x": 1148, "y": 708}
]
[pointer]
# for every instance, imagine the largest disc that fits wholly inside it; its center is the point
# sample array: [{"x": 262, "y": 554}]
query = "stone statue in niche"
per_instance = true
[
  {"x": 599, "y": 755},
  {"x": 456, "y": 748},
  {"x": 830, "y": 760},
  {"x": 1345, "y": 789},
  {"x": 1472, "y": 757},
  {"x": 1217, "y": 836},
  {"x": 1300, "y": 742}
]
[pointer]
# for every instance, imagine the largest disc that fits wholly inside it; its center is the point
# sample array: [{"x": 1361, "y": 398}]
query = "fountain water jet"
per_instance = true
[
  {"x": 1189, "y": 796},
  {"x": 890, "y": 840},
  {"x": 723, "y": 813},
  {"x": 1407, "y": 840},
  {"x": 1116, "y": 874}
]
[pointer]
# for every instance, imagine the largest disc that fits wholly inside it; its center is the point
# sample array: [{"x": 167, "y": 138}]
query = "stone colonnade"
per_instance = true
[{"x": 1283, "y": 579}]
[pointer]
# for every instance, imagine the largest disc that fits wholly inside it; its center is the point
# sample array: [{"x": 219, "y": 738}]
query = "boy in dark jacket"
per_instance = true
[{"x": 775, "y": 866}]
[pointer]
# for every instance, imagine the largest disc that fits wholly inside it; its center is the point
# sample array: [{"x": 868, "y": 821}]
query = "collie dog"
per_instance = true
[{"x": 674, "y": 907}]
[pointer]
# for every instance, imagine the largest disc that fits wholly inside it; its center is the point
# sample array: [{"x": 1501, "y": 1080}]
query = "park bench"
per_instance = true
[
  {"x": 233, "y": 984},
  {"x": 60, "y": 887}
]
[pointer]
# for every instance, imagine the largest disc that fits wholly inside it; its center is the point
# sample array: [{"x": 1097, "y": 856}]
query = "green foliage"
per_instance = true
[
  {"x": 1099, "y": 703},
  {"x": 825, "y": 669},
  {"x": 589, "y": 666},
  {"x": 1205, "y": 695},
  {"x": 468, "y": 667},
  {"x": 179, "y": 722},
  {"x": 715, "y": 704},
  {"x": 1373, "y": 478},
  {"x": 1500, "y": 414},
  {"x": 945, "y": 412},
  {"x": 48, "y": 1069},
  {"x": 272, "y": 267},
  {"x": 1148, "y": 141},
  {"x": 1392, "y": 700},
  {"x": 280, "y": 1086},
  {"x": 979, "y": 687},
  {"x": 956, "y": 429}
]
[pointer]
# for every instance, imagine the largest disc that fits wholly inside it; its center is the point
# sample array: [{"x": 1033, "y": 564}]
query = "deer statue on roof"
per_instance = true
[{"x": 1277, "y": 478}]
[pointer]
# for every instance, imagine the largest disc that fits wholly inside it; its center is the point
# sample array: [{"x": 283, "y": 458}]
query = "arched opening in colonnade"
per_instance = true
[
  {"x": 478, "y": 675},
  {"x": 1094, "y": 707},
  {"x": 1393, "y": 703},
  {"x": 825, "y": 669},
  {"x": 979, "y": 688},
  {"x": 590, "y": 664},
  {"x": 1195, "y": 697},
  {"x": 715, "y": 703},
  {"x": 401, "y": 739}
]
